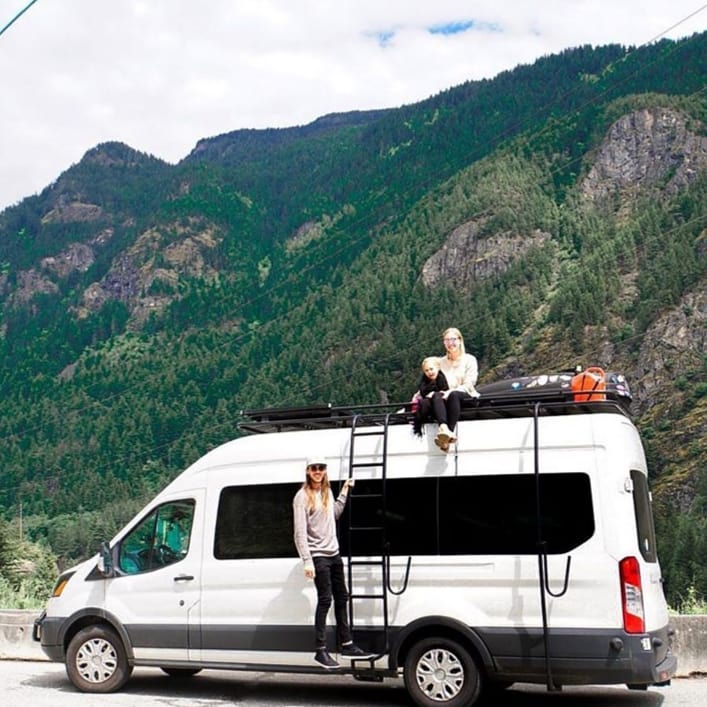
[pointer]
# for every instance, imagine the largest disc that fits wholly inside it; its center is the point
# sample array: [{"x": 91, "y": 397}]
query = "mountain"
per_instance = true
[{"x": 555, "y": 214}]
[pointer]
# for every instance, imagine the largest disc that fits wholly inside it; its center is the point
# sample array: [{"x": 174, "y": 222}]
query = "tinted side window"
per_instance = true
[
  {"x": 423, "y": 516},
  {"x": 469, "y": 515},
  {"x": 497, "y": 515},
  {"x": 411, "y": 513},
  {"x": 644, "y": 517},
  {"x": 255, "y": 522},
  {"x": 159, "y": 539}
]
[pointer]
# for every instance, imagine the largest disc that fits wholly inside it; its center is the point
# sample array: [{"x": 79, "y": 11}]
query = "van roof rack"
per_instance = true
[
  {"x": 321, "y": 416},
  {"x": 515, "y": 397}
]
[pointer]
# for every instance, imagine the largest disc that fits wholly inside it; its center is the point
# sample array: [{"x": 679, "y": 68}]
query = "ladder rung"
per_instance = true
[
  {"x": 366, "y": 562},
  {"x": 366, "y": 495},
  {"x": 369, "y": 433},
  {"x": 367, "y": 596},
  {"x": 365, "y": 527}
]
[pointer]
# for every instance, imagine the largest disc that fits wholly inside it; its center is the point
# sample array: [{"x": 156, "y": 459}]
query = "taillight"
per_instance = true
[{"x": 632, "y": 595}]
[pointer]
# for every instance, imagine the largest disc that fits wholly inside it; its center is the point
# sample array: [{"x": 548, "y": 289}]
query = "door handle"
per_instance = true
[{"x": 184, "y": 578}]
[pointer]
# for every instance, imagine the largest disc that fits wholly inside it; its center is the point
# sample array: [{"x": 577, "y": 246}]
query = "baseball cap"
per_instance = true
[{"x": 316, "y": 460}]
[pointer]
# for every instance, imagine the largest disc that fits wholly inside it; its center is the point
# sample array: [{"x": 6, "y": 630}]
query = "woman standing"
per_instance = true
[
  {"x": 461, "y": 371},
  {"x": 315, "y": 516}
]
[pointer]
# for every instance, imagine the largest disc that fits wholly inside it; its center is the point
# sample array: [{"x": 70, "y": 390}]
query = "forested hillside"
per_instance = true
[{"x": 556, "y": 214}]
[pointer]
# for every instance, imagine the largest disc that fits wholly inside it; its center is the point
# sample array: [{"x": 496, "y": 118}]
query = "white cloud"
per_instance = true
[{"x": 162, "y": 74}]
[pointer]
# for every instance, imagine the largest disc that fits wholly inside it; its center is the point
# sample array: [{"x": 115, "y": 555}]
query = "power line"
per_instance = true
[
  {"x": 17, "y": 17},
  {"x": 677, "y": 24}
]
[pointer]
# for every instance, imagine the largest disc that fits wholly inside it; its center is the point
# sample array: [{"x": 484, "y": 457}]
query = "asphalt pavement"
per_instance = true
[{"x": 44, "y": 684}]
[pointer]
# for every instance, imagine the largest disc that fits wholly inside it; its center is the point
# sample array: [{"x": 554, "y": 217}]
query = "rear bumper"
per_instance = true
[
  {"x": 666, "y": 669},
  {"x": 590, "y": 657}
]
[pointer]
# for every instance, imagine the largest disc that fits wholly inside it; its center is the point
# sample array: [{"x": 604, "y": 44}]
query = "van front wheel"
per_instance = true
[
  {"x": 96, "y": 660},
  {"x": 439, "y": 672}
]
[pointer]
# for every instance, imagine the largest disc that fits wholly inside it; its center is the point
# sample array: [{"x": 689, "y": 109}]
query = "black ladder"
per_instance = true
[
  {"x": 543, "y": 578},
  {"x": 360, "y": 525}
]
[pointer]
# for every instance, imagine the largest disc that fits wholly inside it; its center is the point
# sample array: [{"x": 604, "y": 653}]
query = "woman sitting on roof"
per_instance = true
[{"x": 461, "y": 372}]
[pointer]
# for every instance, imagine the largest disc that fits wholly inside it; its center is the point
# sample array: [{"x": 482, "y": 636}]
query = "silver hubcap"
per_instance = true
[
  {"x": 439, "y": 674},
  {"x": 96, "y": 660}
]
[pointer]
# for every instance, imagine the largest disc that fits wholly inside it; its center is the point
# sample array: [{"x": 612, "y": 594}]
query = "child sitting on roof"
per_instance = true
[{"x": 432, "y": 383}]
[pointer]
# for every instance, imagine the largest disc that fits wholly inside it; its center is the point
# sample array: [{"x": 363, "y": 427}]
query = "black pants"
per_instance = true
[
  {"x": 447, "y": 411},
  {"x": 331, "y": 584}
]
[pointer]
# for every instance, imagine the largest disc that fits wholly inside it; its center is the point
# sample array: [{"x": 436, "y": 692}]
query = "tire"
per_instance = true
[
  {"x": 439, "y": 672},
  {"x": 181, "y": 672},
  {"x": 96, "y": 660}
]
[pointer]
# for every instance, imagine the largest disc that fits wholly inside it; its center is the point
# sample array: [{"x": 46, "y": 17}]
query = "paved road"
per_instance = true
[{"x": 43, "y": 684}]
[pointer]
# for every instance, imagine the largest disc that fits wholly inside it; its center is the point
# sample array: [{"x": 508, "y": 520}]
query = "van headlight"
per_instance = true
[{"x": 61, "y": 584}]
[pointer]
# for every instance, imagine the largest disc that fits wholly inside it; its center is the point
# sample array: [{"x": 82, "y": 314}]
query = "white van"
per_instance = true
[{"x": 526, "y": 554}]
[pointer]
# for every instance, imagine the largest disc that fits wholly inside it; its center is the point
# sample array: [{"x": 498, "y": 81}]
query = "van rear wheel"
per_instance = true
[
  {"x": 439, "y": 672},
  {"x": 96, "y": 660}
]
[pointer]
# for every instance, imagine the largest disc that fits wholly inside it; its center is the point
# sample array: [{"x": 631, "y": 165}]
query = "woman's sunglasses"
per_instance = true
[{"x": 317, "y": 467}]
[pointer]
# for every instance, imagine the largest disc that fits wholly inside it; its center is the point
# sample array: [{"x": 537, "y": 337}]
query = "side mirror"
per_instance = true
[{"x": 105, "y": 560}]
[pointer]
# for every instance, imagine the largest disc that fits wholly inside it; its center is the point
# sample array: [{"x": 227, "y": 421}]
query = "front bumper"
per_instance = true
[{"x": 46, "y": 632}]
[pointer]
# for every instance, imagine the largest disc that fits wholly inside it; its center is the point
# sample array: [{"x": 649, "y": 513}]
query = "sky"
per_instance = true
[{"x": 159, "y": 75}]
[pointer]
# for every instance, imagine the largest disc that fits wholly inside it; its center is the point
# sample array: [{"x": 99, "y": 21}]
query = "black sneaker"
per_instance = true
[
  {"x": 352, "y": 651},
  {"x": 325, "y": 660}
]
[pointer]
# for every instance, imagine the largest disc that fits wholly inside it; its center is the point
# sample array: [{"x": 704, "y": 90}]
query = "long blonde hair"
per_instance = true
[
  {"x": 311, "y": 492},
  {"x": 455, "y": 332}
]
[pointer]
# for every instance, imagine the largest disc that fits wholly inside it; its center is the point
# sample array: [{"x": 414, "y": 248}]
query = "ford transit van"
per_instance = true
[{"x": 525, "y": 554}]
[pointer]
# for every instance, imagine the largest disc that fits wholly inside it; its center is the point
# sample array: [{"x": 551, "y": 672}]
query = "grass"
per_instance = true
[{"x": 691, "y": 605}]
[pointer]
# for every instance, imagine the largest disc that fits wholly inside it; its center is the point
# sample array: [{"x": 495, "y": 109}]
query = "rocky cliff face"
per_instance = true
[
  {"x": 467, "y": 256},
  {"x": 647, "y": 152},
  {"x": 78, "y": 257},
  {"x": 144, "y": 276},
  {"x": 676, "y": 342},
  {"x": 650, "y": 150},
  {"x": 654, "y": 152},
  {"x": 68, "y": 211}
]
